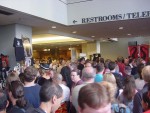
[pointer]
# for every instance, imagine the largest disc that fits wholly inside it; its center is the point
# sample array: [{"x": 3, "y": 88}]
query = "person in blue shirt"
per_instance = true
[
  {"x": 99, "y": 72},
  {"x": 31, "y": 90}
]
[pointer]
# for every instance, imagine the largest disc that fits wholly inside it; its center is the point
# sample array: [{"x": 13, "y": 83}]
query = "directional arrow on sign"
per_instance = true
[{"x": 74, "y": 21}]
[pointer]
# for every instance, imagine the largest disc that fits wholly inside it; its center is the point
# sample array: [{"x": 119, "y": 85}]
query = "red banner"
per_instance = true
[
  {"x": 144, "y": 52},
  {"x": 133, "y": 51}
]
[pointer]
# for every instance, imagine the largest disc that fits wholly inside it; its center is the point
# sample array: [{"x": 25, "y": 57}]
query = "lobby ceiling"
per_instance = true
[{"x": 93, "y": 31}]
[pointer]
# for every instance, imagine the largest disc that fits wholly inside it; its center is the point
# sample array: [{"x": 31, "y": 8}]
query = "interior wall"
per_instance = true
[
  {"x": 53, "y": 10},
  {"x": 112, "y": 50},
  {"x": 89, "y": 48},
  {"x": 96, "y": 8},
  {"x": 22, "y": 30},
  {"x": 7, "y": 34}
]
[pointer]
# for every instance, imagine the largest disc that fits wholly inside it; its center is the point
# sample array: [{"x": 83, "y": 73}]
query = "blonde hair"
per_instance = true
[
  {"x": 111, "y": 88},
  {"x": 13, "y": 76},
  {"x": 146, "y": 74},
  {"x": 109, "y": 77}
]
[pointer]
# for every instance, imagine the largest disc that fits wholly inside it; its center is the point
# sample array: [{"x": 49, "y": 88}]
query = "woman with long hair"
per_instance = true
[{"x": 129, "y": 91}]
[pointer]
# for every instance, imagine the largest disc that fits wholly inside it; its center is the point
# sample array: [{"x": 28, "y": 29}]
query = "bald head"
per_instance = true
[
  {"x": 57, "y": 78},
  {"x": 146, "y": 74},
  {"x": 88, "y": 72}
]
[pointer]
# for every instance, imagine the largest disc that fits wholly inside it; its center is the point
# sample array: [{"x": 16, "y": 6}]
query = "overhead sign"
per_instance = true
[{"x": 115, "y": 17}]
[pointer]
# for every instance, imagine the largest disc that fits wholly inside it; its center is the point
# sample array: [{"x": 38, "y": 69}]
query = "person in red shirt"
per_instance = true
[{"x": 121, "y": 65}]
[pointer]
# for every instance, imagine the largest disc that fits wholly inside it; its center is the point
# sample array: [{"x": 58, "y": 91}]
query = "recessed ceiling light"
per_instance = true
[
  {"x": 74, "y": 32},
  {"x": 92, "y": 36},
  {"x": 128, "y": 34},
  {"x": 120, "y": 28},
  {"x": 53, "y": 27}
]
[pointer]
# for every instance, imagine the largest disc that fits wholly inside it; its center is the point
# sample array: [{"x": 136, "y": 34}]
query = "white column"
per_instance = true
[
  {"x": 98, "y": 47},
  {"x": 73, "y": 54}
]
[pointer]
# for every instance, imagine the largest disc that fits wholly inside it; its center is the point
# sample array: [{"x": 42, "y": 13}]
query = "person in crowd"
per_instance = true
[
  {"x": 88, "y": 76},
  {"x": 137, "y": 108},
  {"x": 87, "y": 61},
  {"x": 133, "y": 64},
  {"x": 73, "y": 66},
  {"x": 127, "y": 71},
  {"x": 66, "y": 94},
  {"x": 21, "y": 77},
  {"x": 116, "y": 107},
  {"x": 111, "y": 88},
  {"x": 107, "y": 70},
  {"x": 75, "y": 77},
  {"x": 109, "y": 77},
  {"x": 119, "y": 78},
  {"x": 54, "y": 65},
  {"x": 101, "y": 60},
  {"x": 60, "y": 65},
  {"x": 97, "y": 99},
  {"x": 16, "y": 96},
  {"x": 94, "y": 64},
  {"x": 65, "y": 72},
  {"x": 12, "y": 76},
  {"x": 146, "y": 102},
  {"x": 148, "y": 61},
  {"x": 142, "y": 61},
  {"x": 88, "y": 64},
  {"x": 46, "y": 74},
  {"x": 129, "y": 91},
  {"x": 81, "y": 63},
  {"x": 126, "y": 62},
  {"x": 99, "y": 72},
  {"x": 31, "y": 90},
  {"x": 4, "y": 70},
  {"x": 66, "y": 91},
  {"x": 121, "y": 65},
  {"x": 37, "y": 64},
  {"x": 139, "y": 82},
  {"x": 51, "y": 95},
  {"x": 3, "y": 102}
]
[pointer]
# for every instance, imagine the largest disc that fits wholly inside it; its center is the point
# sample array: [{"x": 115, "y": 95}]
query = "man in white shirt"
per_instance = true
[{"x": 66, "y": 91}]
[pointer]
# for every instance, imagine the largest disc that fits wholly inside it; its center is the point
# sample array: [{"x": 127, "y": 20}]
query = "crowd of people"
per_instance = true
[{"x": 83, "y": 86}]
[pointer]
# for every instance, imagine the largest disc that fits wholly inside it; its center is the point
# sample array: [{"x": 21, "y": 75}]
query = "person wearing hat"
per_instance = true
[{"x": 46, "y": 74}]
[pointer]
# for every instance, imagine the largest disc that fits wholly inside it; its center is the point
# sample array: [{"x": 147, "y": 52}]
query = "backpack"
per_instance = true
[{"x": 120, "y": 108}]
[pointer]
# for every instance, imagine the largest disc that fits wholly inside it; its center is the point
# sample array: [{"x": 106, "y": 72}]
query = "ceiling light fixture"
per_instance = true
[
  {"x": 92, "y": 36},
  {"x": 53, "y": 39},
  {"x": 74, "y": 32},
  {"x": 53, "y": 27},
  {"x": 120, "y": 28},
  {"x": 46, "y": 49},
  {"x": 104, "y": 40},
  {"x": 129, "y": 34}
]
